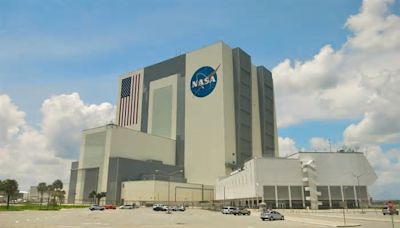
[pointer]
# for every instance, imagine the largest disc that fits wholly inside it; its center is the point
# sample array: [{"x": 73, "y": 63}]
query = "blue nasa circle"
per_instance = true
[{"x": 203, "y": 81}]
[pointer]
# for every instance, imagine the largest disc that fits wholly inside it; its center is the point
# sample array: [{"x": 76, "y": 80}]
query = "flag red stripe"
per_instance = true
[
  {"x": 137, "y": 98},
  {"x": 134, "y": 99},
  {"x": 128, "y": 107}
]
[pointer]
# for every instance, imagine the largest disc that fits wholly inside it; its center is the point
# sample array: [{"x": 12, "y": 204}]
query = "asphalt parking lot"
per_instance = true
[{"x": 146, "y": 217}]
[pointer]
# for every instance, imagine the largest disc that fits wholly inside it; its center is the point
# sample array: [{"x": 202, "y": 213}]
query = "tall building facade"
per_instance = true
[
  {"x": 218, "y": 121},
  {"x": 205, "y": 112}
]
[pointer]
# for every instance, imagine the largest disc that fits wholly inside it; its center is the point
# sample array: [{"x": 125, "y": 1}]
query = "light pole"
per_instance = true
[
  {"x": 169, "y": 175},
  {"x": 358, "y": 190}
]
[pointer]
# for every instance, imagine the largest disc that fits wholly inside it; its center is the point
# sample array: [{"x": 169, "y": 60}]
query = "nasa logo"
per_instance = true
[{"x": 204, "y": 81}]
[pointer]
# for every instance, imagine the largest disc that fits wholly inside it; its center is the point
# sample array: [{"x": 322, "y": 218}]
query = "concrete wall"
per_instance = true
[
  {"x": 163, "y": 106},
  {"x": 210, "y": 134},
  {"x": 99, "y": 144},
  {"x": 72, "y": 182},
  {"x": 173, "y": 66},
  {"x": 137, "y": 145},
  {"x": 122, "y": 169},
  {"x": 243, "y": 105},
  {"x": 157, "y": 191},
  {"x": 341, "y": 168},
  {"x": 256, "y": 130}
]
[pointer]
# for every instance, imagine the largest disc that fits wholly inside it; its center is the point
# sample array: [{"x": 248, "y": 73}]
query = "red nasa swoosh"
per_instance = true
[{"x": 212, "y": 73}]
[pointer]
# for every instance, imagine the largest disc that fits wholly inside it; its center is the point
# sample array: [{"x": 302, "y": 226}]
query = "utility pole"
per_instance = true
[{"x": 224, "y": 196}]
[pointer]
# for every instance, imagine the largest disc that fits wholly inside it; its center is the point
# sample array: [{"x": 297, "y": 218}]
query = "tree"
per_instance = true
[
  {"x": 99, "y": 196},
  {"x": 58, "y": 184},
  {"x": 41, "y": 188},
  {"x": 50, "y": 192},
  {"x": 92, "y": 195},
  {"x": 57, "y": 190},
  {"x": 60, "y": 194},
  {"x": 10, "y": 187}
]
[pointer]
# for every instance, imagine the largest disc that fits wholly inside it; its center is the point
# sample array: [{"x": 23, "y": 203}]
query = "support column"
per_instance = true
[
  {"x": 276, "y": 196},
  {"x": 329, "y": 197},
  {"x": 355, "y": 196},
  {"x": 302, "y": 197},
  {"x": 341, "y": 191},
  {"x": 290, "y": 197}
]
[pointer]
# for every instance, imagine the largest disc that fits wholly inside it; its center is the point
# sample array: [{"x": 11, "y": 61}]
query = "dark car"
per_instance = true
[
  {"x": 240, "y": 211},
  {"x": 160, "y": 207},
  {"x": 96, "y": 207},
  {"x": 271, "y": 215}
]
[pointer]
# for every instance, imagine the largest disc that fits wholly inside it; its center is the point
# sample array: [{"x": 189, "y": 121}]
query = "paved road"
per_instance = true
[{"x": 145, "y": 217}]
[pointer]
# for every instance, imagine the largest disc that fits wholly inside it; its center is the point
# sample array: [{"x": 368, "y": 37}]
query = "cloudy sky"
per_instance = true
[{"x": 336, "y": 69}]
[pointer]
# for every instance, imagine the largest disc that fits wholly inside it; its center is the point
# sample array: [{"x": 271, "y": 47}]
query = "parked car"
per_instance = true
[
  {"x": 240, "y": 211},
  {"x": 227, "y": 210},
  {"x": 272, "y": 215},
  {"x": 127, "y": 206},
  {"x": 388, "y": 211},
  {"x": 181, "y": 208},
  {"x": 96, "y": 207},
  {"x": 110, "y": 206},
  {"x": 177, "y": 208},
  {"x": 159, "y": 207}
]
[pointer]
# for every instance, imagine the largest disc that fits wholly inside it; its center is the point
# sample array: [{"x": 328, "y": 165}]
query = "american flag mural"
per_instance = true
[{"x": 129, "y": 101}]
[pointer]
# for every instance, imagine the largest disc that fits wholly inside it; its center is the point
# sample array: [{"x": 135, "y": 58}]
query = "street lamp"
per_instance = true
[
  {"x": 358, "y": 189},
  {"x": 169, "y": 175}
]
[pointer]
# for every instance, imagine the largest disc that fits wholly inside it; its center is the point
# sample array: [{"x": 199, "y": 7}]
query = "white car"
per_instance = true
[
  {"x": 227, "y": 210},
  {"x": 271, "y": 215},
  {"x": 127, "y": 206}
]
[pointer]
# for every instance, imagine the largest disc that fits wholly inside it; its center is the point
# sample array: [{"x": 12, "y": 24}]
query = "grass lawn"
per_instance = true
[{"x": 23, "y": 207}]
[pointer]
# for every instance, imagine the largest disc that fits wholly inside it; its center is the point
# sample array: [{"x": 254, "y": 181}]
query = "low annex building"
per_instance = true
[{"x": 317, "y": 180}]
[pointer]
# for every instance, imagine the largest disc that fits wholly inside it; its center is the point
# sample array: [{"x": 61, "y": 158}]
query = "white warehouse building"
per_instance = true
[{"x": 307, "y": 179}]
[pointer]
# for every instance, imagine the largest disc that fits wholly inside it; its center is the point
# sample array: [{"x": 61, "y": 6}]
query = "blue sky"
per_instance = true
[
  {"x": 68, "y": 46},
  {"x": 51, "y": 48}
]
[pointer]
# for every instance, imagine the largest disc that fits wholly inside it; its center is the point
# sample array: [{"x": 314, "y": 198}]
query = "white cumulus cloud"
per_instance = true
[
  {"x": 11, "y": 119},
  {"x": 320, "y": 144},
  {"x": 360, "y": 79},
  {"x": 65, "y": 116},
  {"x": 287, "y": 146},
  {"x": 45, "y": 154}
]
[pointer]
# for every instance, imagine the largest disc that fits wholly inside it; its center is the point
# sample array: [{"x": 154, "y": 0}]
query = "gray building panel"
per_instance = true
[
  {"x": 161, "y": 70},
  {"x": 243, "y": 109},
  {"x": 266, "y": 106},
  {"x": 123, "y": 169},
  {"x": 72, "y": 182},
  {"x": 91, "y": 183}
]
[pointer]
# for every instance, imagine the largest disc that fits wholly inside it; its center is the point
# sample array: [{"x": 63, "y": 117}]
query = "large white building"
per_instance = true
[
  {"x": 306, "y": 179},
  {"x": 186, "y": 122}
]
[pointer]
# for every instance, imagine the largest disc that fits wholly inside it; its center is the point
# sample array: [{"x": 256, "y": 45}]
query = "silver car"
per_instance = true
[
  {"x": 127, "y": 206},
  {"x": 96, "y": 207},
  {"x": 272, "y": 215}
]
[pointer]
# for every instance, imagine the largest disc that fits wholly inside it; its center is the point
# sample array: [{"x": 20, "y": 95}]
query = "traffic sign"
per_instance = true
[{"x": 390, "y": 204}]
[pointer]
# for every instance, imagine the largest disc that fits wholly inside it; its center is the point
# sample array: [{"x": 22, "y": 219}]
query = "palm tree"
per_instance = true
[
  {"x": 41, "y": 188},
  {"x": 50, "y": 192},
  {"x": 60, "y": 194},
  {"x": 92, "y": 195},
  {"x": 10, "y": 187},
  {"x": 99, "y": 196},
  {"x": 57, "y": 186}
]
